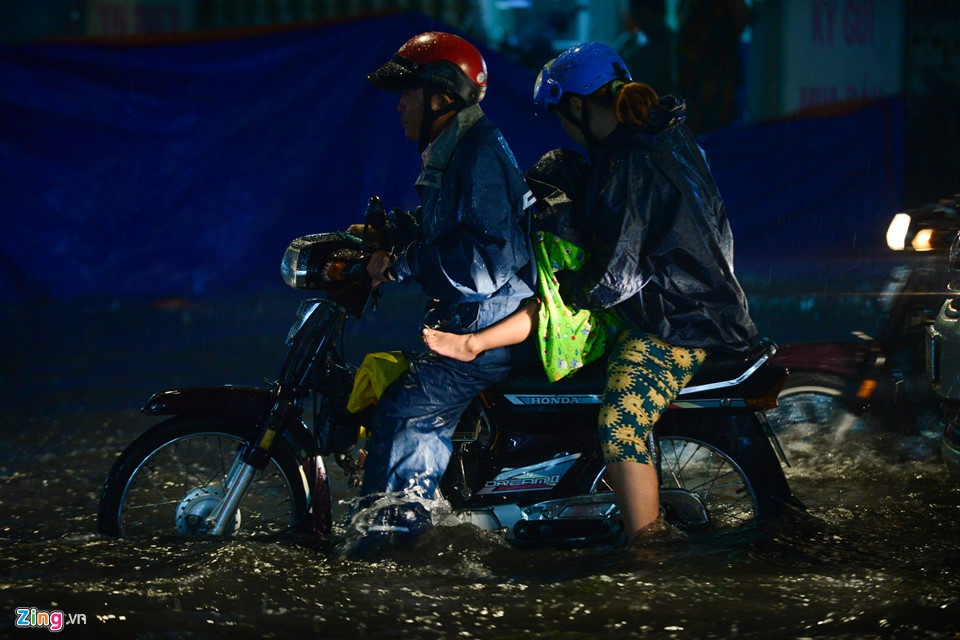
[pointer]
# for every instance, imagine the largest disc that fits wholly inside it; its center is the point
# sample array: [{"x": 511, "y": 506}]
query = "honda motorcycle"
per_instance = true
[
  {"x": 240, "y": 460},
  {"x": 943, "y": 363},
  {"x": 878, "y": 373}
]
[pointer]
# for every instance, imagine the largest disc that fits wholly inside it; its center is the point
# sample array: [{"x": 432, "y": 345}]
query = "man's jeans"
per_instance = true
[{"x": 411, "y": 434}]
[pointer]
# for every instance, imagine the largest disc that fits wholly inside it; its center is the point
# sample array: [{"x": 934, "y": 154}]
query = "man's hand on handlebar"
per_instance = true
[{"x": 380, "y": 268}]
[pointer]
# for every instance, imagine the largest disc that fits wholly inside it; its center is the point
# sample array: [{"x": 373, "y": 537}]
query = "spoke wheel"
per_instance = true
[
  {"x": 171, "y": 478},
  {"x": 715, "y": 480},
  {"x": 700, "y": 486}
]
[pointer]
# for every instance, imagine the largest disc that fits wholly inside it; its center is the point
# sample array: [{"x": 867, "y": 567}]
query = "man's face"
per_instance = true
[{"x": 411, "y": 112}]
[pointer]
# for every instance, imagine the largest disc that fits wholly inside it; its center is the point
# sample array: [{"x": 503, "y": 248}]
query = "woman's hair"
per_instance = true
[{"x": 631, "y": 101}]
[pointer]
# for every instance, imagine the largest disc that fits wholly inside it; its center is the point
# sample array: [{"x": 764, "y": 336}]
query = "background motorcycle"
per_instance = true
[
  {"x": 241, "y": 460},
  {"x": 881, "y": 372},
  {"x": 943, "y": 363}
]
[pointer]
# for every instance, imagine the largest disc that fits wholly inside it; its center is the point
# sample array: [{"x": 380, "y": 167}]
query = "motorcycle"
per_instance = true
[
  {"x": 878, "y": 374},
  {"x": 943, "y": 363},
  {"x": 239, "y": 460}
]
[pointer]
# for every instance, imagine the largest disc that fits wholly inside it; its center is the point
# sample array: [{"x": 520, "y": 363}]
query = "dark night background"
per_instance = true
[{"x": 156, "y": 157}]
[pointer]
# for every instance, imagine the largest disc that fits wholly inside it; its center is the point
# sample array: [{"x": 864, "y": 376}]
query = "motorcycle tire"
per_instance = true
[
  {"x": 692, "y": 465},
  {"x": 171, "y": 476},
  {"x": 756, "y": 488},
  {"x": 701, "y": 486},
  {"x": 714, "y": 478},
  {"x": 809, "y": 404}
]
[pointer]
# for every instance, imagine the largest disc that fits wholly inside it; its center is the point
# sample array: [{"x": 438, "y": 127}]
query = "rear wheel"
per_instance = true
[
  {"x": 171, "y": 477},
  {"x": 691, "y": 468},
  {"x": 700, "y": 485}
]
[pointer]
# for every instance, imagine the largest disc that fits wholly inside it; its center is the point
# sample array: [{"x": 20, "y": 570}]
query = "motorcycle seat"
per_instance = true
[{"x": 720, "y": 370}]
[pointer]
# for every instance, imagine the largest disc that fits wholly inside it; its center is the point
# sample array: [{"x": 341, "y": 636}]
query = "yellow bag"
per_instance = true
[{"x": 377, "y": 372}]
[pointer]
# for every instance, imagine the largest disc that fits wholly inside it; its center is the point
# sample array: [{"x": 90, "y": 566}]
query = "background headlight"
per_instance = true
[{"x": 897, "y": 232}]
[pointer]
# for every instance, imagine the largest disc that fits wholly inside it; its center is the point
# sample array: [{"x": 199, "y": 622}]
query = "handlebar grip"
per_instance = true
[{"x": 375, "y": 220}]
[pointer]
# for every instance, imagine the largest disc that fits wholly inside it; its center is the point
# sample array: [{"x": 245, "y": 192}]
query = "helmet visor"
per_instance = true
[
  {"x": 396, "y": 75},
  {"x": 546, "y": 90}
]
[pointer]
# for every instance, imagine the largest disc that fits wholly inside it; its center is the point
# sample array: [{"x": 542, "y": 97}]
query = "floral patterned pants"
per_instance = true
[{"x": 644, "y": 376}]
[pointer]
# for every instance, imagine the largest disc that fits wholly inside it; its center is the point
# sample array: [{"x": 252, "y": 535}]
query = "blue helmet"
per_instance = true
[{"x": 581, "y": 70}]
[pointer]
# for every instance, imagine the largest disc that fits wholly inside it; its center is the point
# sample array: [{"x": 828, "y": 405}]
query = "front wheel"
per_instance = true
[{"x": 173, "y": 476}]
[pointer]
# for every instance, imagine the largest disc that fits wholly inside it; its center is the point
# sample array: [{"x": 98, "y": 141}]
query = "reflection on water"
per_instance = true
[{"x": 875, "y": 555}]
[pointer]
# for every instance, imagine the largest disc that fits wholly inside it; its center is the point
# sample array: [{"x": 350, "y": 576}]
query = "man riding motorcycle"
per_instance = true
[{"x": 467, "y": 246}]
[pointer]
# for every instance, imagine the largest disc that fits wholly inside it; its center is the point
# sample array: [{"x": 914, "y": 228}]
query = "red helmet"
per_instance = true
[{"x": 442, "y": 59}]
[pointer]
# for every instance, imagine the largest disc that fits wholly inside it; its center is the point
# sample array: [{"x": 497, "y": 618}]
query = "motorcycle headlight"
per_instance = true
[
  {"x": 330, "y": 262},
  {"x": 307, "y": 261},
  {"x": 290, "y": 266}
]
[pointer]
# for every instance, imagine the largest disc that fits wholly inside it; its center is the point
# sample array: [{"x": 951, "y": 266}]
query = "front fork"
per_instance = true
[
  {"x": 248, "y": 463},
  {"x": 220, "y": 521}
]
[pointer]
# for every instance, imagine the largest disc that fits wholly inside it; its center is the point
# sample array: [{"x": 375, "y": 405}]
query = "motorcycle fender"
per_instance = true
[
  {"x": 210, "y": 402},
  {"x": 228, "y": 401},
  {"x": 837, "y": 358}
]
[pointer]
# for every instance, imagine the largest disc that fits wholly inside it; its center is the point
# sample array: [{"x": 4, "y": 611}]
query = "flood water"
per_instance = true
[{"x": 875, "y": 554}]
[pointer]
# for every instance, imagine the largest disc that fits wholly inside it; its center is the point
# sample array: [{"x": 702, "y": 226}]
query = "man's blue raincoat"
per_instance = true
[{"x": 468, "y": 247}]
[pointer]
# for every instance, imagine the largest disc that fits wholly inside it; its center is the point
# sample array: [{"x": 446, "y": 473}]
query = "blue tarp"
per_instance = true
[
  {"x": 811, "y": 188},
  {"x": 183, "y": 169}
]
